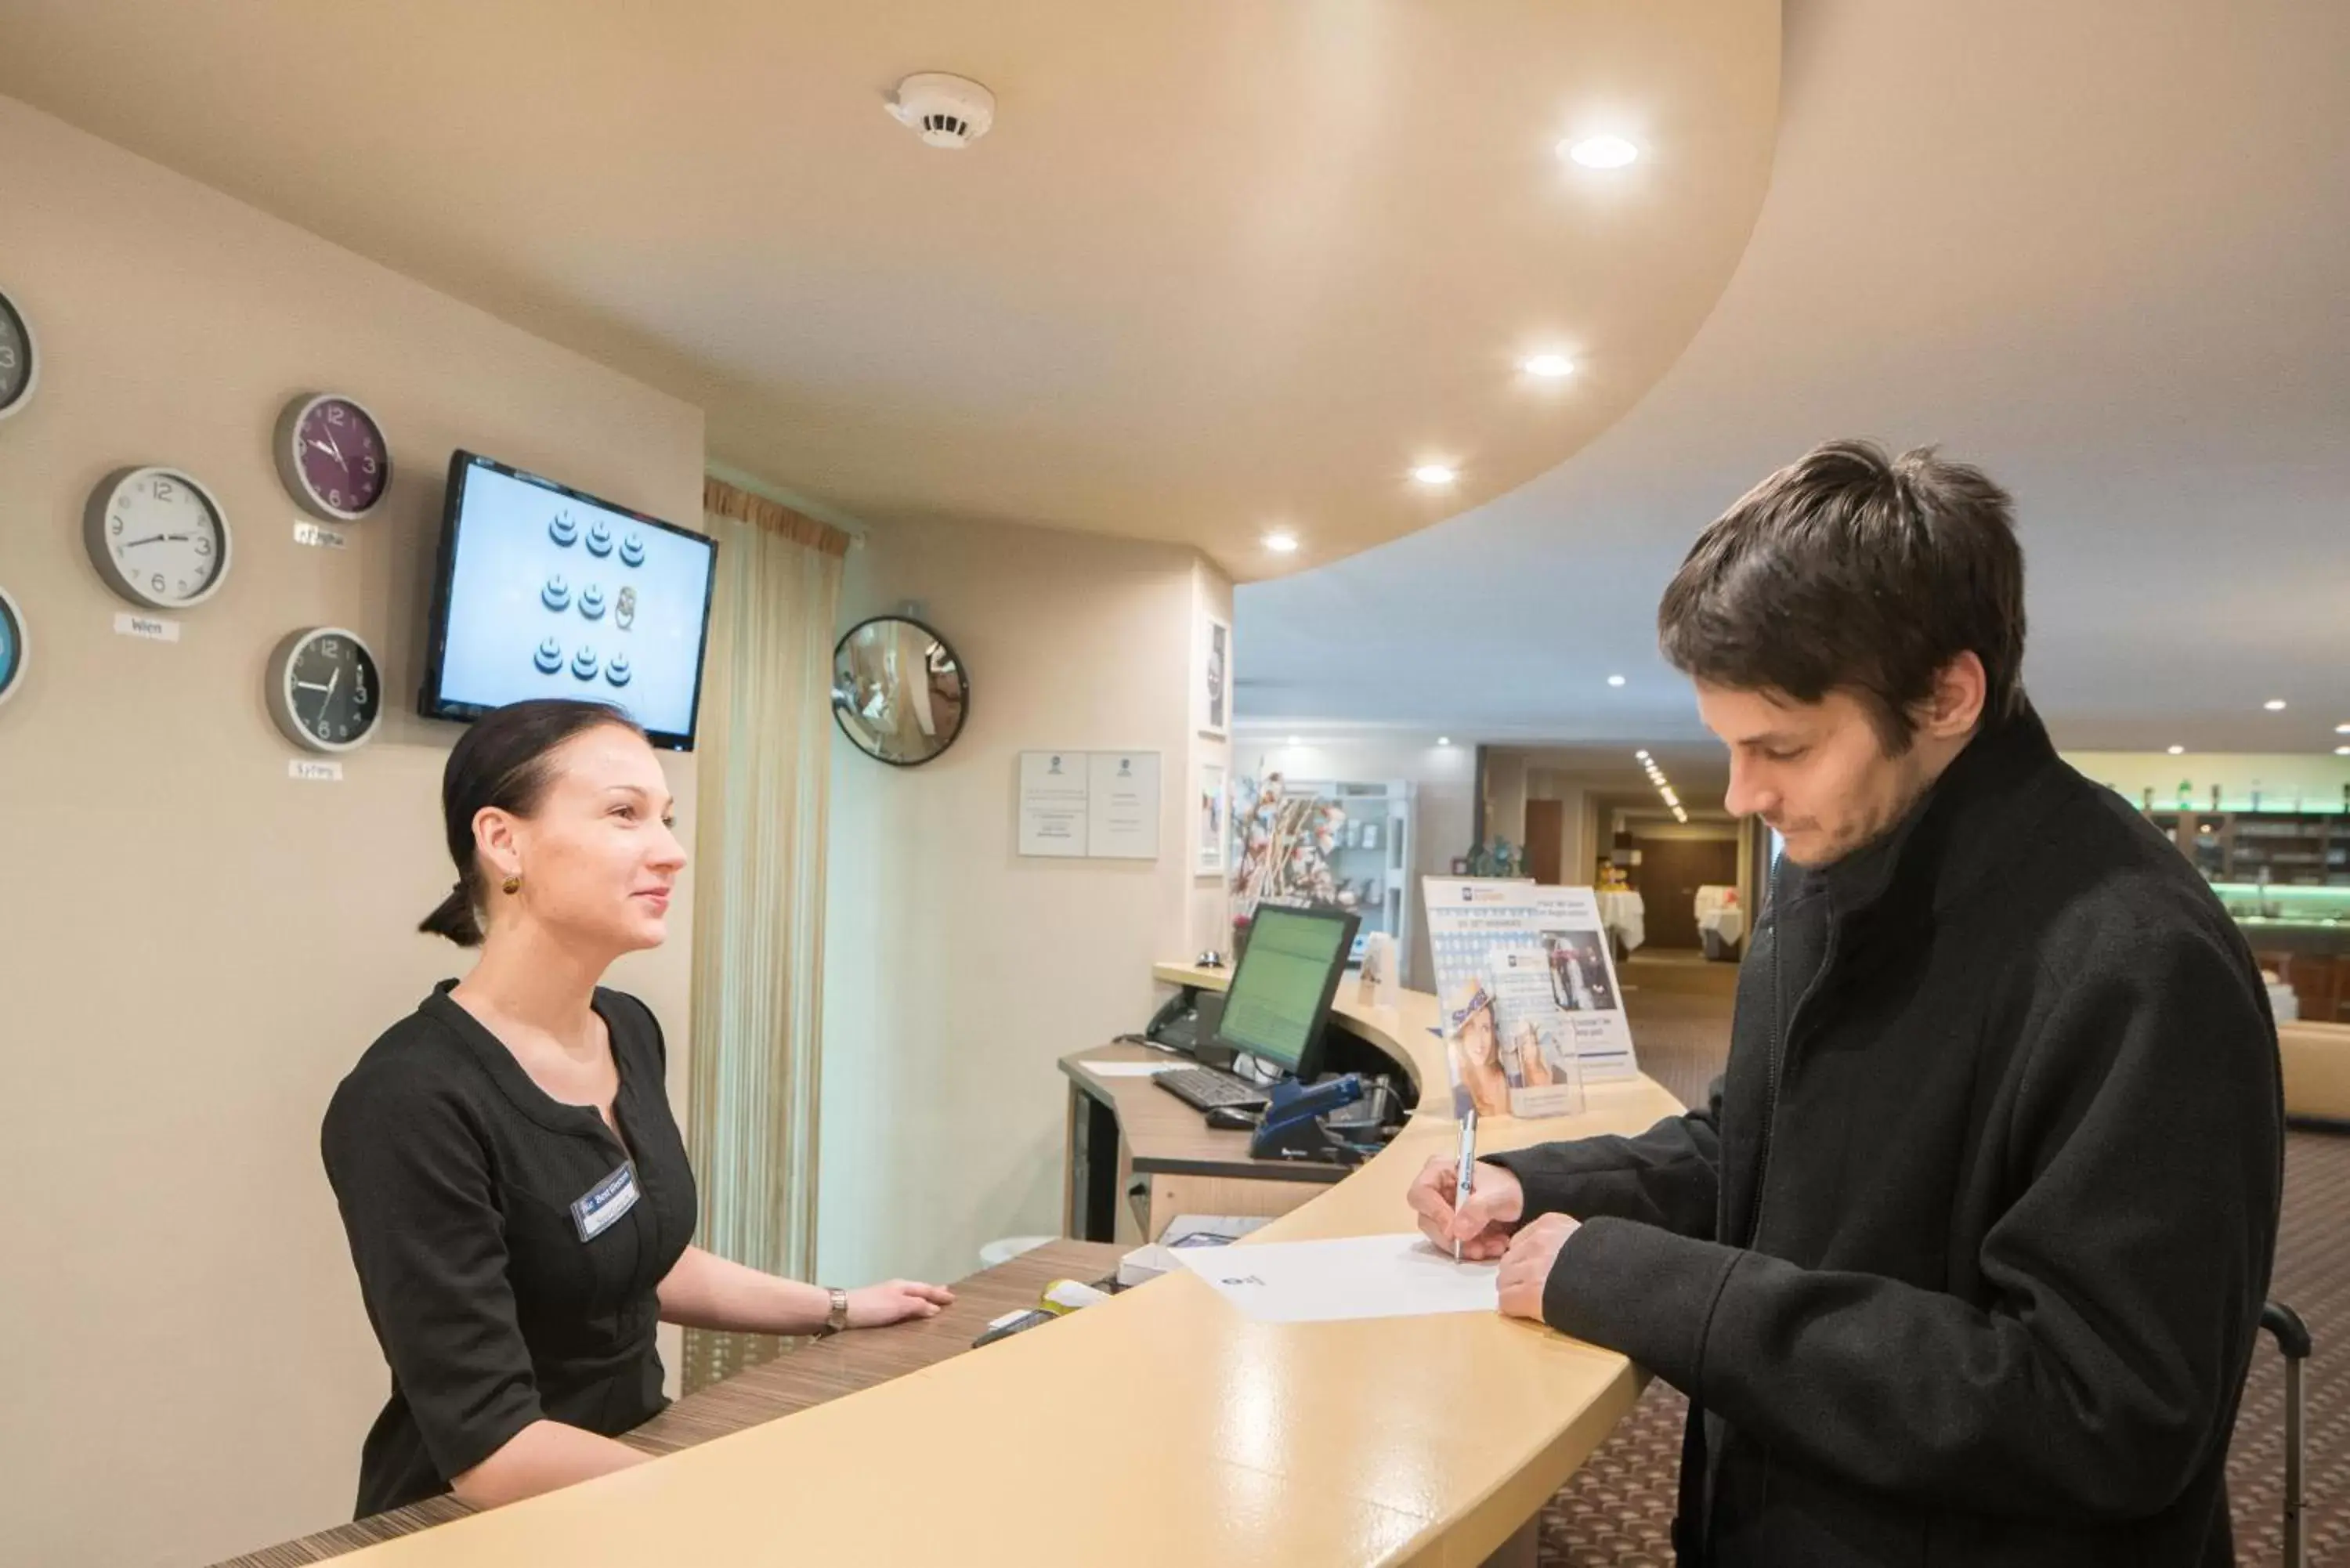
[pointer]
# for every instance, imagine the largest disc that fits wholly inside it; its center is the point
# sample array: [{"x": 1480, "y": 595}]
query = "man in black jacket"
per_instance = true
[{"x": 1963, "y": 1261}]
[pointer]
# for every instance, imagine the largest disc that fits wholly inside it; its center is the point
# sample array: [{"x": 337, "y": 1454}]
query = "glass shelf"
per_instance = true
[{"x": 2285, "y": 903}]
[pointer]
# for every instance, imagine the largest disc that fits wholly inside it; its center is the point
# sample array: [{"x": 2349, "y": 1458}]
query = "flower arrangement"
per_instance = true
[{"x": 1282, "y": 848}]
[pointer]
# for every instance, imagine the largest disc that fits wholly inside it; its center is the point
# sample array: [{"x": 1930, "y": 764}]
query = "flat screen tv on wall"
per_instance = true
[{"x": 546, "y": 591}]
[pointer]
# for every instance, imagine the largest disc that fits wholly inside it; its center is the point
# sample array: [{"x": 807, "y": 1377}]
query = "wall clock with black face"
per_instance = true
[
  {"x": 332, "y": 457},
  {"x": 20, "y": 358},
  {"x": 158, "y": 537},
  {"x": 325, "y": 692}
]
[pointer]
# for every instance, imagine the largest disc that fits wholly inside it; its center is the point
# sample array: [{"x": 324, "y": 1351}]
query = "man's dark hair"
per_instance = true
[{"x": 1848, "y": 570}]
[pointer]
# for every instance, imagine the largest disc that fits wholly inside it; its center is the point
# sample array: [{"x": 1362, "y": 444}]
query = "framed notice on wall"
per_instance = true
[
  {"x": 1123, "y": 813},
  {"x": 1055, "y": 787},
  {"x": 1100, "y": 806}
]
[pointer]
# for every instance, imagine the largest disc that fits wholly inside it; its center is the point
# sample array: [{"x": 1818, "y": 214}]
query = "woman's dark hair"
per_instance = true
[
  {"x": 502, "y": 762},
  {"x": 1847, "y": 568}
]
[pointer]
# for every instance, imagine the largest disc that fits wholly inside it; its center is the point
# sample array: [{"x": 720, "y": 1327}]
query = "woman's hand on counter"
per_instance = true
[
  {"x": 705, "y": 1291},
  {"x": 896, "y": 1300}
]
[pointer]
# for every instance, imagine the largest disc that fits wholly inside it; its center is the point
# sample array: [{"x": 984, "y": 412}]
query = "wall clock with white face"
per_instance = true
[
  {"x": 332, "y": 456},
  {"x": 158, "y": 537},
  {"x": 325, "y": 692},
  {"x": 20, "y": 358},
  {"x": 13, "y": 647}
]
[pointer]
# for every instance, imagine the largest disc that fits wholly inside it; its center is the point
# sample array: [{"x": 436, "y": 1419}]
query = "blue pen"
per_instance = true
[{"x": 1468, "y": 1166}]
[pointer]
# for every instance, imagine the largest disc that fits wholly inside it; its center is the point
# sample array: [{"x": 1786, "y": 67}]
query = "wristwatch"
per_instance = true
[{"x": 837, "y": 1318}]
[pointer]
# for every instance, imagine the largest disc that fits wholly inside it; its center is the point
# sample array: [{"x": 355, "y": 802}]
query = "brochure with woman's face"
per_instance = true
[{"x": 1472, "y": 1055}]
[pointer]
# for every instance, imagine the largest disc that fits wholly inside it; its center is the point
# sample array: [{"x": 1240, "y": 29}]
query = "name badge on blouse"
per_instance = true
[{"x": 603, "y": 1204}]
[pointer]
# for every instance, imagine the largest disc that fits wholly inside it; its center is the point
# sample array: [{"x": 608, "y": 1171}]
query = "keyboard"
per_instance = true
[{"x": 1204, "y": 1088}]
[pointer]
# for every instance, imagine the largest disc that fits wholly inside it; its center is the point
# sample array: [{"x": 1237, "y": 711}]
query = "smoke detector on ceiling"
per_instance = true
[{"x": 944, "y": 111}]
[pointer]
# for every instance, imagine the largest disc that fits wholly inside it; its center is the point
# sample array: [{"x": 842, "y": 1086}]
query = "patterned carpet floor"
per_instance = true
[{"x": 1618, "y": 1509}]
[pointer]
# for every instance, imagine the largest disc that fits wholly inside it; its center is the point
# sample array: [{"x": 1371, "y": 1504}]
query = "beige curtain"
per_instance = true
[{"x": 758, "y": 906}]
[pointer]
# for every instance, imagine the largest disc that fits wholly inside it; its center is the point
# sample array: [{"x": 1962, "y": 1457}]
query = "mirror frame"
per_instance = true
[{"x": 962, "y": 669}]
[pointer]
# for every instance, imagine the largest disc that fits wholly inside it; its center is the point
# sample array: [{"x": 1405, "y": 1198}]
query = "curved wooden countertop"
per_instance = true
[{"x": 1160, "y": 1427}]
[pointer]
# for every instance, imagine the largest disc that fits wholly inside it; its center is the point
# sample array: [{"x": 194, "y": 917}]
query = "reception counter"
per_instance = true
[{"x": 1160, "y": 1427}]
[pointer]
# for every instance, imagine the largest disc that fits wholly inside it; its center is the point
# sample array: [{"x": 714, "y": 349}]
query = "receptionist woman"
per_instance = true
[{"x": 513, "y": 1184}]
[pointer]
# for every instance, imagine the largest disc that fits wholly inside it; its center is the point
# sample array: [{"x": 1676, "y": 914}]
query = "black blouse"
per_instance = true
[{"x": 508, "y": 1246}]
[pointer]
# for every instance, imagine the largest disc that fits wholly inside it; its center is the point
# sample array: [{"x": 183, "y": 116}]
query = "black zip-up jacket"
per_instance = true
[{"x": 1963, "y": 1262}]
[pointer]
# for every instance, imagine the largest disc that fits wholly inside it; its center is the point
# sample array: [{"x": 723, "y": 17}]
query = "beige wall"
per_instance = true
[
  {"x": 956, "y": 972},
  {"x": 195, "y": 948}
]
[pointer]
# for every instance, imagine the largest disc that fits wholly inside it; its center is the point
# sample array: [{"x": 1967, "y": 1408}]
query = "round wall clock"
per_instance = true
[
  {"x": 15, "y": 647},
  {"x": 324, "y": 689},
  {"x": 332, "y": 456},
  {"x": 20, "y": 358},
  {"x": 158, "y": 537}
]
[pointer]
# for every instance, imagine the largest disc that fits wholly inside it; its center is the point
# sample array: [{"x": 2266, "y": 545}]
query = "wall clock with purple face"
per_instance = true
[{"x": 332, "y": 456}]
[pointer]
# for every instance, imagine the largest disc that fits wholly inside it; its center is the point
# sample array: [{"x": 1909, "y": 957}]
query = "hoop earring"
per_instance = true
[{"x": 511, "y": 885}]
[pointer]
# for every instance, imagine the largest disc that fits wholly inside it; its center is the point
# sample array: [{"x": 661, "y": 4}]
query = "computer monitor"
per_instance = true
[{"x": 1281, "y": 994}]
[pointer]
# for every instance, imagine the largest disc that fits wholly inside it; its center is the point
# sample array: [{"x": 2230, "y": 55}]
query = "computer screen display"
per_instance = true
[{"x": 1287, "y": 975}]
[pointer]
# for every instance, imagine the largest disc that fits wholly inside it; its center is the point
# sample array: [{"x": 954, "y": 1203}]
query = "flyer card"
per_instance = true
[{"x": 1498, "y": 946}]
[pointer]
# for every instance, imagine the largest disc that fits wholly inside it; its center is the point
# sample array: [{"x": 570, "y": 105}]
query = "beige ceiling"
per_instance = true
[
  {"x": 1222, "y": 264},
  {"x": 1699, "y": 772},
  {"x": 2101, "y": 250}
]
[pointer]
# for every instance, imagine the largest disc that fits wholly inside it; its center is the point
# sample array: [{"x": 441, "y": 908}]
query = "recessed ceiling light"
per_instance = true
[
  {"x": 2342, "y": 728},
  {"x": 1295, "y": 741},
  {"x": 1600, "y": 151},
  {"x": 2177, "y": 751},
  {"x": 1435, "y": 474},
  {"x": 1443, "y": 740},
  {"x": 1615, "y": 680},
  {"x": 2342, "y": 751},
  {"x": 1281, "y": 542},
  {"x": 2274, "y": 704},
  {"x": 1550, "y": 366},
  {"x": 1644, "y": 756}
]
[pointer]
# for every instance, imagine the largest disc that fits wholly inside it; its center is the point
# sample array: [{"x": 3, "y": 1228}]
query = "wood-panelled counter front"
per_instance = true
[{"x": 1160, "y": 1427}]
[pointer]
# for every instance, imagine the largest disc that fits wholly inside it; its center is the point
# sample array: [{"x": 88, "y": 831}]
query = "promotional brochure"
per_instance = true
[{"x": 1531, "y": 1007}]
